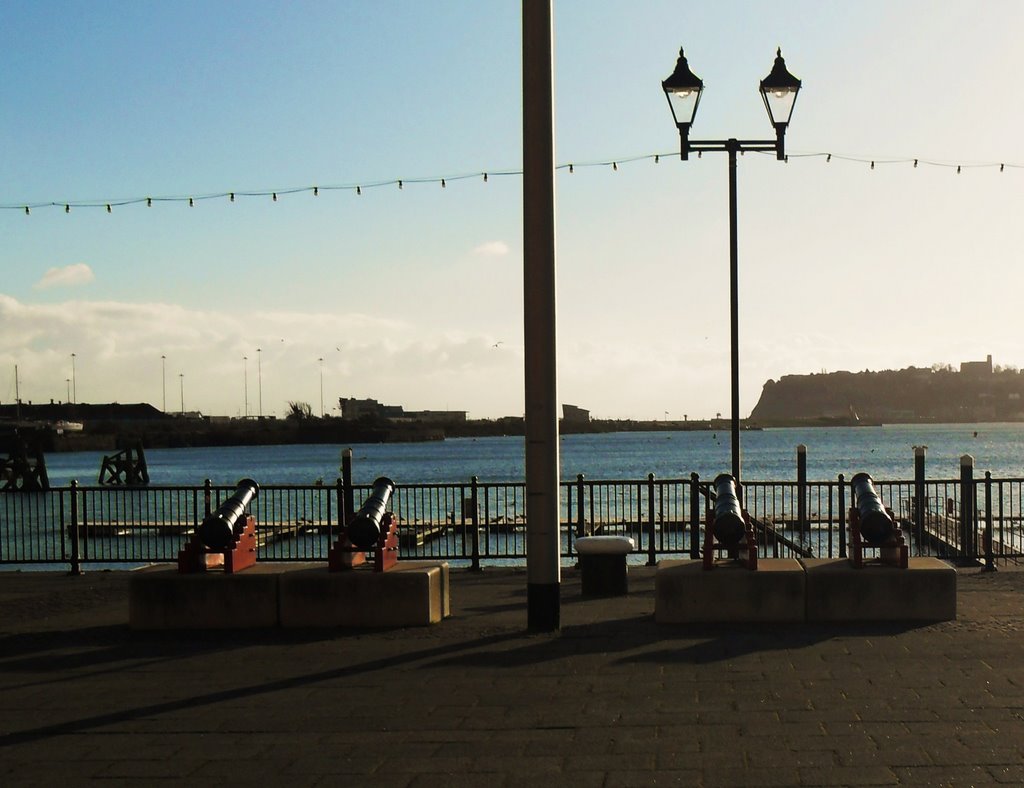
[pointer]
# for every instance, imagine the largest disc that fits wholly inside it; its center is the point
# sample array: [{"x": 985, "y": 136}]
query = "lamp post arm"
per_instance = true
[{"x": 743, "y": 146}]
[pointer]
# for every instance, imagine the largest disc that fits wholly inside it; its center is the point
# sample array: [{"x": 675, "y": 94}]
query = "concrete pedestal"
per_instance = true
[
  {"x": 838, "y": 592},
  {"x": 161, "y": 598},
  {"x": 603, "y": 575},
  {"x": 687, "y": 593},
  {"x": 603, "y": 564},
  {"x": 414, "y": 593}
]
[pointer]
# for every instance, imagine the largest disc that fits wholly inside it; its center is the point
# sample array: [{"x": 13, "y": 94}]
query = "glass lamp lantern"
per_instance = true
[
  {"x": 682, "y": 89},
  {"x": 779, "y": 90}
]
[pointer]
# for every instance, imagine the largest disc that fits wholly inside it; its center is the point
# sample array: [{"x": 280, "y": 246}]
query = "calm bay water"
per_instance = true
[{"x": 884, "y": 452}]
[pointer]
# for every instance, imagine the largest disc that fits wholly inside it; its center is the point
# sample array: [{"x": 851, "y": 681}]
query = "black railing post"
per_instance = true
[
  {"x": 474, "y": 518},
  {"x": 652, "y": 559},
  {"x": 349, "y": 505},
  {"x": 990, "y": 564},
  {"x": 920, "y": 499},
  {"x": 801, "y": 489},
  {"x": 694, "y": 516},
  {"x": 339, "y": 492},
  {"x": 842, "y": 516},
  {"x": 831, "y": 514},
  {"x": 207, "y": 497},
  {"x": 76, "y": 555},
  {"x": 580, "y": 526},
  {"x": 570, "y": 518},
  {"x": 968, "y": 549}
]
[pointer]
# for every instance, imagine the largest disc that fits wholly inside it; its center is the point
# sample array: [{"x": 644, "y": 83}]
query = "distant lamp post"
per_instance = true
[
  {"x": 163, "y": 379},
  {"x": 181, "y": 382},
  {"x": 74, "y": 383},
  {"x": 245, "y": 383},
  {"x": 68, "y": 381},
  {"x": 259, "y": 378},
  {"x": 779, "y": 89},
  {"x": 321, "y": 387}
]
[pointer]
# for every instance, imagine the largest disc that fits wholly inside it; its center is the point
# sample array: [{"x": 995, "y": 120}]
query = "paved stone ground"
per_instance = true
[{"x": 613, "y": 699}]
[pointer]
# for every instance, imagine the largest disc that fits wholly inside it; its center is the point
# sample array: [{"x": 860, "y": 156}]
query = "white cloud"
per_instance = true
[
  {"x": 118, "y": 348},
  {"x": 69, "y": 276},
  {"x": 491, "y": 249}
]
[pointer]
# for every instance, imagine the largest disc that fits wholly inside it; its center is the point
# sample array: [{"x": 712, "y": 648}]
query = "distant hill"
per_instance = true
[{"x": 978, "y": 392}]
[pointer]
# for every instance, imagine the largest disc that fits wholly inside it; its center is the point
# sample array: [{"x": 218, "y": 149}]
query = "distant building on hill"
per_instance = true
[
  {"x": 977, "y": 369},
  {"x": 572, "y": 414},
  {"x": 353, "y": 409}
]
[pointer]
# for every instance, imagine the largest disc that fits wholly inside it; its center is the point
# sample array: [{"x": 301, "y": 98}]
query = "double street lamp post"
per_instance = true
[{"x": 683, "y": 89}]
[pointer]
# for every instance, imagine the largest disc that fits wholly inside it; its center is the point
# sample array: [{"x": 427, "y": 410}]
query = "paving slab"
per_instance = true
[{"x": 610, "y": 699}]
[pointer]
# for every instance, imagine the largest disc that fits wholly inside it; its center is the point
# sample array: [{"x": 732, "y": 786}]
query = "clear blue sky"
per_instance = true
[{"x": 405, "y": 293}]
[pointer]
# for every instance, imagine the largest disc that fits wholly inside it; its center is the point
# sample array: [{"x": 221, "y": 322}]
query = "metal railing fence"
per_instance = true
[{"x": 476, "y": 523}]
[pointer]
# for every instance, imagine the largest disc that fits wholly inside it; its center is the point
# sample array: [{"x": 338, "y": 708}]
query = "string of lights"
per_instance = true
[{"x": 485, "y": 176}]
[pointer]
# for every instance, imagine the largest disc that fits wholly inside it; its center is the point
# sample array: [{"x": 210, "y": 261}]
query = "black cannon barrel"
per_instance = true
[
  {"x": 364, "y": 530},
  {"x": 217, "y": 531},
  {"x": 729, "y": 523},
  {"x": 876, "y": 526}
]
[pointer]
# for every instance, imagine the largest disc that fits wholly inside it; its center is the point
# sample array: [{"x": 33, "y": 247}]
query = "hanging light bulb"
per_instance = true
[
  {"x": 570, "y": 169},
  {"x": 67, "y": 209},
  {"x": 872, "y": 165},
  {"x": 316, "y": 191},
  {"x": 485, "y": 177},
  {"x": 108, "y": 207},
  {"x": 27, "y": 211},
  {"x": 191, "y": 204},
  {"x": 399, "y": 184},
  {"x": 231, "y": 196},
  {"x": 443, "y": 185},
  {"x": 1001, "y": 167},
  {"x": 615, "y": 166},
  {"x": 275, "y": 196},
  {"x": 958, "y": 169},
  {"x": 359, "y": 190},
  {"x": 657, "y": 158},
  {"x": 828, "y": 158},
  {"x": 915, "y": 164},
  {"x": 149, "y": 202}
]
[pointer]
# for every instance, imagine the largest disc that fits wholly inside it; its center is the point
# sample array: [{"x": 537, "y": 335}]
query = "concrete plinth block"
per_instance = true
[
  {"x": 161, "y": 598},
  {"x": 603, "y": 564},
  {"x": 686, "y": 593},
  {"x": 413, "y": 593},
  {"x": 836, "y": 591}
]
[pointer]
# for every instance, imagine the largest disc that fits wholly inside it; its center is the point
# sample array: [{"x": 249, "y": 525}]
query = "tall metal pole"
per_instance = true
[
  {"x": 74, "y": 383},
  {"x": 543, "y": 546},
  {"x": 68, "y": 381},
  {"x": 734, "y": 285},
  {"x": 259, "y": 377},
  {"x": 321, "y": 387},
  {"x": 163, "y": 379},
  {"x": 245, "y": 384},
  {"x": 181, "y": 381}
]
